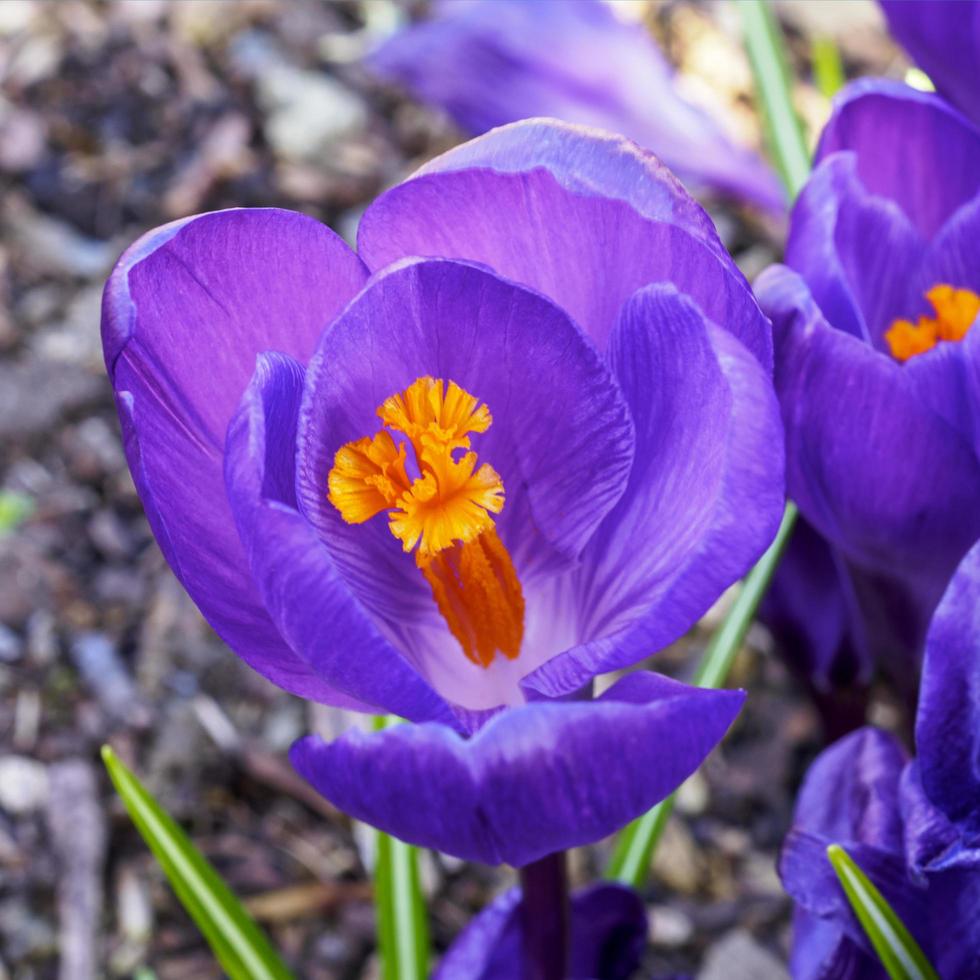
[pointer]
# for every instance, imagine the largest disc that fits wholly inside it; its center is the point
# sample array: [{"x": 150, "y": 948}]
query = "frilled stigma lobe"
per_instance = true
[
  {"x": 956, "y": 310},
  {"x": 445, "y": 513}
]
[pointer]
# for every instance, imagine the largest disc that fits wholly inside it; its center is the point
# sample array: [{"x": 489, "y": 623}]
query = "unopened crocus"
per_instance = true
[
  {"x": 524, "y": 436},
  {"x": 943, "y": 38},
  {"x": 608, "y": 927},
  {"x": 878, "y": 375},
  {"x": 491, "y": 62},
  {"x": 912, "y": 826}
]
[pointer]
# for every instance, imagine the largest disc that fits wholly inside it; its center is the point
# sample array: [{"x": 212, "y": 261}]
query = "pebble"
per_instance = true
[
  {"x": 24, "y": 784},
  {"x": 669, "y": 927},
  {"x": 307, "y": 112},
  {"x": 738, "y": 956},
  {"x": 11, "y": 646},
  {"x": 102, "y": 669}
]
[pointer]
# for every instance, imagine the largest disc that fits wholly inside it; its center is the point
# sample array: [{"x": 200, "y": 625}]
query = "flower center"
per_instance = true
[
  {"x": 446, "y": 511},
  {"x": 956, "y": 309}
]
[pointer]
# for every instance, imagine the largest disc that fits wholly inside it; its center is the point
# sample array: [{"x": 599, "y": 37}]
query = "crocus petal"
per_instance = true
[
  {"x": 943, "y": 38},
  {"x": 497, "y": 61},
  {"x": 932, "y": 842},
  {"x": 857, "y": 251},
  {"x": 947, "y": 730},
  {"x": 813, "y": 612},
  {"x": 184, "y": 314},
  {"x": 294, "y": 574},
  {"x": 851, "y": 797},
  {"x": 608, "y": 931},
  {"x": 912, "y": 147},
  {"x": 879, "y": 474},
  {"x": 822, "y": 949},
  {"x": 705, "y": 495},
  {"x": 534, "y": 779},
  {"x": 561, "y": 439},
  {"x": 534, "y": 223}
]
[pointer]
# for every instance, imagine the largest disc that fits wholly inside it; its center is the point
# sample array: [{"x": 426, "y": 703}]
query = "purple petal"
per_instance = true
[
  {"x": 705, "y": 494},
  {"x": 491, "y": 63},
  {"x": 858, "y": 252},
  {"x": 534, "y": 779},
  {"x": 184, "y": 314},
  {"x": 851, "y": 797},
  {"x": 565, "y": 236},
  {"x": 947, "y": 730},
  {"x": 608, "y": 932},
  {"x": 296, "y": 579},
  {"x": 911, "y": 147},
  {"x": 947, "y": 378},
  {"x": 561, "y": 439},
  {"x": 812, "y": 610},
  {"x": 823, "y": 950},
  {"x": 943, "y": 38},
  {"x": 932, "y": 842},
  {"x": 864, "y": 455}
]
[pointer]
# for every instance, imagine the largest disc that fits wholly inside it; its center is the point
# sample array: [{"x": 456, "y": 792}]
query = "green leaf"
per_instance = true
[
  {"x": 784, "y": 132},
  {"x": 899, "y": 953},
  {"x": 403, "y": 927},
  {"x": 828, "y": 69},
  {"x": 636, "y": 842},
  {"x": 239, "y": 944}
]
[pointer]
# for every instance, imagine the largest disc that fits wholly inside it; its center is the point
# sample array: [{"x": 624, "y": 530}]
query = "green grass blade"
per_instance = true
[
  {"x": 239, "y": 944},
  {"x": 15, "y": 508},
  {"x": 899, "y": 953},
  {"x": 403, "y": 927},
  {"x": 637, "y": 841},
  {"x": 828, "y": 69},
  {"x": 784, "y": 132}
]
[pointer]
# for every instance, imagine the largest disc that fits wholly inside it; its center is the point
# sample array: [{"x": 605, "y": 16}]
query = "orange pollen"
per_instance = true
[
  {"x": 956, "y": 310},
  {"x": 445, "y": 514}
]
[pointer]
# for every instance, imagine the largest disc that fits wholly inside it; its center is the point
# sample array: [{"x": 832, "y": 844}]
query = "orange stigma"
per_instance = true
[
  {"x": 956, "y": 309},
  {"x": 445, "y": 513}
]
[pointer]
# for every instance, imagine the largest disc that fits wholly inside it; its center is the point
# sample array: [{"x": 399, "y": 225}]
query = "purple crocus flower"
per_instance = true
[
  {"x": 491, "y": 62},
  {"x": 913, "y": 826},
  {"x": 943, "y": 38},
  {"x": 878, "y": 376},
  {"x": 443, "y": 487},
  {"x": 608, "y": 933}
]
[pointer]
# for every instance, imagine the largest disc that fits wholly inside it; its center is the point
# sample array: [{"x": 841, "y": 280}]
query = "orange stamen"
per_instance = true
[
  {"x": 956, "y": 310},
  {"x": 446, "y": 512}
]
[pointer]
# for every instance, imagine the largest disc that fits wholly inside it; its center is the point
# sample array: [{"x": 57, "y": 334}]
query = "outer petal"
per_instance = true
[
  {"x": 912, "y": 147},
  {"x": 822, "y": 950},
  {"x": 943, "y": 38},
  {"x": 492, "y": 62},
  {"x": 588, "y": 241},
  {"x": 296, "y": 579},
  {"x": 947, "y": 378},
  {"x": 533, "y": 780},
  {"x": 608, "y": 932},
  {"x": 705, "y": 495},
  {"x": 947, "y": 730},
  {"x": 865, "y": 457},
  {"x": 561, "y": 439},
  {"x": 184, "y": 314},
  {"x": 813, "y": 611},
  {"x": 851, "y": 797},
  {"x": 857, "y": 251}
]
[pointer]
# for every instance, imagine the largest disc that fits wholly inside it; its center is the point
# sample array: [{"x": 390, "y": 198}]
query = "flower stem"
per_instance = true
[{"x": 544, "y": 918}]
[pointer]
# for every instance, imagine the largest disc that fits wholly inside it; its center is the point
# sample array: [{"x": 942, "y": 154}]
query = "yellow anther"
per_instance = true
[
  {"x": 956, "y": 310},
  {"x": 446, "y": 512}
]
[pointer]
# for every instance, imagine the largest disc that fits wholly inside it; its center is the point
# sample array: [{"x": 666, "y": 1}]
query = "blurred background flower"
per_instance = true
[{"x": 490, "y": 62}]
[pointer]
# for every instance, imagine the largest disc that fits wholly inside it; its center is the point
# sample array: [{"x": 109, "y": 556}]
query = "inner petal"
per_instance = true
[
  {"x": 955, "y": 312},
  {"x": 445, "y": 514}
]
